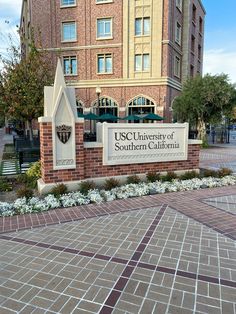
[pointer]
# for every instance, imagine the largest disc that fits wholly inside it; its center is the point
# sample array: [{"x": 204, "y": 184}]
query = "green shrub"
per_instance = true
[
  {"x": 152, "y": 176},
  {"x": 24, "y": 192},
  {"x": 34, "y": 171},
  {"x": 171, "y": 175},
  {"x": 210, "y": 173},
  {"x": 133, "y": 179},
  {"x": 59, "y": 189},
  {"x": 31, "y": 176},
  {"x": 224, "y": 172},
  {"x": 22, "y": 178},
  {"x": 85, "y": 186},
  {"x": 111, "y": 183},
  {"x": 5, "y": 185},
  {"x": 188, "y": 175}
]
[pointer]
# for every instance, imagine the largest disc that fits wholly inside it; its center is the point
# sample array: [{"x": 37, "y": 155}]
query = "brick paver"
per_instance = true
[
  {"x": 163, "y": 253},
  {"x": 171, "y": 253}
]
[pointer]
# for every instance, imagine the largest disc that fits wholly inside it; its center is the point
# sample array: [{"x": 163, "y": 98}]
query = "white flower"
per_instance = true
[
  {"x": 67, "y": 200},
  {"x": 35, "y": 204},
  {"x": 6, "y": 209},
  {"x": 52, "y": 201},
  {"x": 94, "y": 196}
]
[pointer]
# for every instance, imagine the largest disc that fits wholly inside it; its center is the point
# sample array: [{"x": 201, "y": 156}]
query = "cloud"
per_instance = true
[{"x": 220, "y": 61}]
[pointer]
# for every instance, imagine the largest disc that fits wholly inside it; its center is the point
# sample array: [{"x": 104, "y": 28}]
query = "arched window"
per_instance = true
[
  {"x": 140, "y": 106},
  {"x": 106, "y": 105},
  {"x": 80, "y": 107}
]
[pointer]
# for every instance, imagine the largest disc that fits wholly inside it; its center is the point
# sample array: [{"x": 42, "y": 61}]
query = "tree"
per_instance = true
[
  {"x": 22, "y": 82},
  {"x": 205, "y": 100}
]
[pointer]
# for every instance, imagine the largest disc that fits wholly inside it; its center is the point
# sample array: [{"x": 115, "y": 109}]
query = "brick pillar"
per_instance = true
[{"x": 46, "y": 155}]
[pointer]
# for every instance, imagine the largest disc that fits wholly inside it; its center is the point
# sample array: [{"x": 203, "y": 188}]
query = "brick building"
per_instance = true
[{"x": 138, "y": 52}]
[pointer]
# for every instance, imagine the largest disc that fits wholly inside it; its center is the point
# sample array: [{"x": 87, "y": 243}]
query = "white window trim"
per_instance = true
[
  {"x": 142, "y": 26},
  {"x": 178, "y": 40},
  {"x": 104, "y": 1},
  {"x": 70, "y": 74},
  {"x": 105, "y": 37},
  {"x": 179, "y": 67},
  {"x": 68, "y": 5},
  {"x": 68, "y": 40},
  {"x": 142, "y": 70},
  {"x": 104, "y": 54}
]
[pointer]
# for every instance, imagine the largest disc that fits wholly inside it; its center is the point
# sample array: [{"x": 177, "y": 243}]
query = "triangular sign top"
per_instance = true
[{"x": 59, "y": 81}]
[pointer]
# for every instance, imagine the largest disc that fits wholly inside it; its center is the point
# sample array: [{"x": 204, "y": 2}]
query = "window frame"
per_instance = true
[
  {"x": 70, "y": 58},
  {"x": 111, "y": 28},
  {"x": 62, "y": 37},
  {"x": 103, "y": 1},
  {"x": 142, "y": 62},
  {"x": 68, "y": 5},
  {"x": 105, "y": 56},
  {"x": 142, "y": 26},
  {"x": 178, "y": 30},
  {"x": 177, "y": 66}
]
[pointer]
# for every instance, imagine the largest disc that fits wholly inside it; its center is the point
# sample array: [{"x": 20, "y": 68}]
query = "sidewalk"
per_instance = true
[
  {"x": 218, "y": 156},
  {"x": 160, "y": 254},
  {"x": 170, "y": 253}
]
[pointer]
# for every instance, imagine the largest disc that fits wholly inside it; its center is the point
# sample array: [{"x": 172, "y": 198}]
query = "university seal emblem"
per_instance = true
[{"x": 63, "y": 132}]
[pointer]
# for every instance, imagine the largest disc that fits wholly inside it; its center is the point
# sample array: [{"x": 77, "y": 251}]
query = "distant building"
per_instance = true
[{"x": 139, "y": 52}]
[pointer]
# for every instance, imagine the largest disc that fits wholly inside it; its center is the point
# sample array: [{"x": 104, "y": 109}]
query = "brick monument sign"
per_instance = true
[{"x": 122, "y": 149}]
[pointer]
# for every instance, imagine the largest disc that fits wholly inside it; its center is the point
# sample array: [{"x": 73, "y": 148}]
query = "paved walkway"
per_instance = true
[
  {"x": 218, "y": 156},
  {"x": 168, "y": 253}
]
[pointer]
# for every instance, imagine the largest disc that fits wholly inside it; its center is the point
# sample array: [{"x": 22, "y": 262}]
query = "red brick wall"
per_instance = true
[
  {"x": 94, "y": 166},
  {"x": 89, "y": 161}
]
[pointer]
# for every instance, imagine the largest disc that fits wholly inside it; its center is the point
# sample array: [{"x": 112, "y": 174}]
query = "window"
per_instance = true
[
  {"x": 140, "y": 106},
  {"x": 200, "y": 24},
  {"x": 191, "y": 71},
  {"x": 105, "y": 105},
  {"x": 104, "y": 64},
  {"x": 179, "y": 4},
  {"x": 178, "y": 34},
  {"x": 192, "y": 43},
  {"x": 68, "y": 31},
  {"x": 142, "y": 26},
  {"x": 80, "y": 108},
  {"x": 67, "y": 3},
  {"x": 177, "y": 66},
  {"x": 104, "y": 1},
  {"x": 199, "y": 52},
  {"x": 70, "y": 65},
  {"x": 142, "y": 62},
  {"x": 194, "y": 11},
  {"x": 104, "y": 28}
]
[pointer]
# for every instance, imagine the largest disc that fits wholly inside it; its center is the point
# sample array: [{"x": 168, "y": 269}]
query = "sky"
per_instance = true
[{"x": 220, "y": 33}]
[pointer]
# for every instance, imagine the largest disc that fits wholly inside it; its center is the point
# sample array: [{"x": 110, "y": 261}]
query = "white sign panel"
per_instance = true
[{"x": 144, "y": 142}]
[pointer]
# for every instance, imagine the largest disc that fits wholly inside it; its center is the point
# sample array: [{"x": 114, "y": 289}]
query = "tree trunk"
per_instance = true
[
  {"x": 201, "y": 128},
  {"x": 30, "y": 130}
]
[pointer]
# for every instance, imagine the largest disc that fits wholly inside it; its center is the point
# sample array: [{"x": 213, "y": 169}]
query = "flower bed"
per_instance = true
[{"x": 35, "y": 204}]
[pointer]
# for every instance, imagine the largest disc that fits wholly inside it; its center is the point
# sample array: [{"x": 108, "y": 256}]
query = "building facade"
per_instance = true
[{"x": 139, "y": 52}]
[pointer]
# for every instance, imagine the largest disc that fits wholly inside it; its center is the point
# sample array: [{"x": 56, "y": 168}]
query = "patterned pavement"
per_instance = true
[
  {"x": 218, "y": 156},
  {"x": 165, "y": 253},
  {"x": 171, "y": 253}
]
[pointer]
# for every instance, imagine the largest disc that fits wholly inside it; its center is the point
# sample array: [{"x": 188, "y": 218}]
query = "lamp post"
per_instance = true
[{"x": 98, "y": 92}]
